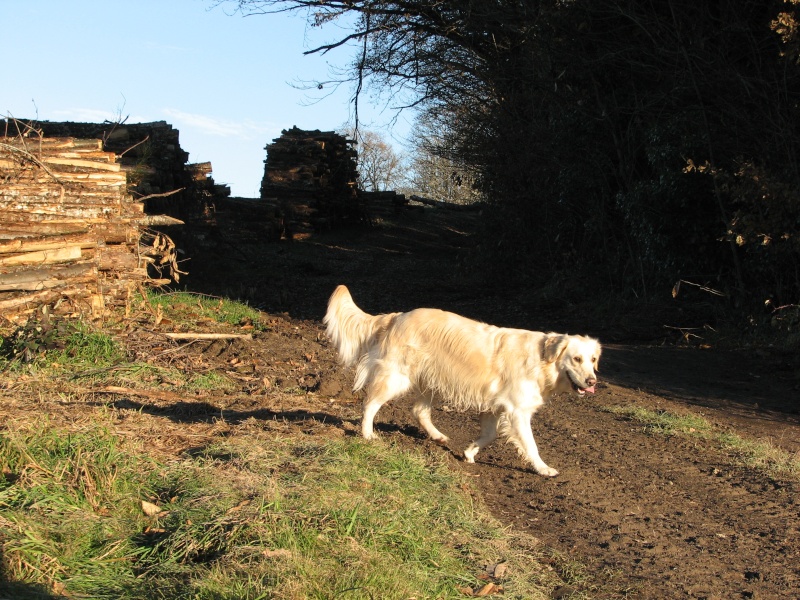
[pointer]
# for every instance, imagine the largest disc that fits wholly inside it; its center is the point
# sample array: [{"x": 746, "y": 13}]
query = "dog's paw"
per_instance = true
[
  {"x": 547, "y": 471},
  {"x": 442, "y": 441},
  {"x": 469, "y": 454}
]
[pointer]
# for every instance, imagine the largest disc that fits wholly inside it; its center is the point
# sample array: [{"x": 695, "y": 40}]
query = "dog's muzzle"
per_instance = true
[{"x": 589, "y": 387}]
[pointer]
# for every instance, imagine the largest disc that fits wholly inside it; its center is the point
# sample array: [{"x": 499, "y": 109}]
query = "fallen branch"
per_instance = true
[
  {"x": 677, "y": 288},
  {"x": 32, "y": 158},
  {"x": 153, "y": 394},
  {"x": 209, "y": 336},
  {"x": 162, "y": 195},
  {"x": 124, "y": 152}
]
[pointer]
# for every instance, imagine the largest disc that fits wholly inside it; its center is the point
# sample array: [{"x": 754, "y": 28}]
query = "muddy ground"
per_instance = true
[
  {"x": 636, "y": 514},
  {"x": 647, "y": 515}
]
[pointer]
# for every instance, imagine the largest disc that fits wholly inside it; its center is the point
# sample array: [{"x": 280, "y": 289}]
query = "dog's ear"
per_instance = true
[{"x": 554, "y": 346}]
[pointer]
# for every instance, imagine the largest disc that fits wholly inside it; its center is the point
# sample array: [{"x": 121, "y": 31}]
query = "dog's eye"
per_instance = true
[
  {"x": 594, "y": 359},
  {"x": 578, "y": 359}
]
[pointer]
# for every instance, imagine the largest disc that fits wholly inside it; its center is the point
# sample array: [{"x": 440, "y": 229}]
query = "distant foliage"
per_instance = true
[
  {"x": 585, "y": 125},
  {"x": 765, "y": 228},
  {"x": 435, "y": 168}
]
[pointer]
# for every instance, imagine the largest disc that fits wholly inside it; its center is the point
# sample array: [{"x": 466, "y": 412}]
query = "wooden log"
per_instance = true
[
  {"x": 96, "y": 157},
  {"x": 120, "y": 258},
  {"x": 17, "y": 218},
  {"x": 108, "y": 179},
  {"x": 53, "y": 143},
  {"x": 33, "y": 300},
  {"x": 200, "y": 171},
  {"x": 59, "y": 161},
  {"x": 43, "y": 257},
  {"x": 158, "y": 221},
  {"x": 33, "y": 184},
  {"x": 23, "y": 201},
  {"x": 48, "y": 278},
  {"x": 61, "y": 169},
  {"x": 74, "y": 211},
  {"x": 13, "y": 231},
  {"x": 81, "y": 240},
  {"x": 14, "y": 236}
]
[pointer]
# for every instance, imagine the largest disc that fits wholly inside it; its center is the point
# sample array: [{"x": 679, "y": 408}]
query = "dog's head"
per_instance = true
[{"x": 576, "y": 358}]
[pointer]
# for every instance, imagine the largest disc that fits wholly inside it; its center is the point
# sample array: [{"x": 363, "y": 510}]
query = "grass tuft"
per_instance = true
[
  {"x": 757, "y": 454},
  {"x": 185, "y": 308},
  {"x": 664, "y": 422}
]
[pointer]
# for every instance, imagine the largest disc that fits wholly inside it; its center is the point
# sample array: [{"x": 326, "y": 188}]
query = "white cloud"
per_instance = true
[{"x": 220, "y": 127}]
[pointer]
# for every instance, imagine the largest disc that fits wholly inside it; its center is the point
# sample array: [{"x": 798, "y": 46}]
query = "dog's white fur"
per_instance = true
[{"x": 505, "y": 374}]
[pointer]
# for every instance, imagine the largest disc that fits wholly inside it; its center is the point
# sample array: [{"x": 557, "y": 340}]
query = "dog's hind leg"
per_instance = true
[
  {"x": 383, "y": 388},
  {"x": 488, "y": 435},
  {"x": 422, "y": 411}
]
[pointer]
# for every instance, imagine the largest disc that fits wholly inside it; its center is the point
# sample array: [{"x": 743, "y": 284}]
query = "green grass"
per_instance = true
[
  {"x": 256, "y": 516},
  {"x": 185, "y": 308},
  {"x": 757, "y": 454},
  {"x": 253, "y": 515},
  {"x": 44, "y": 340},
  {"x": 211, "y": 381},
  {"x": 664, "y": 422},
  {"x": 763, "y": 455},
  {"x": 76, "y": 351}
]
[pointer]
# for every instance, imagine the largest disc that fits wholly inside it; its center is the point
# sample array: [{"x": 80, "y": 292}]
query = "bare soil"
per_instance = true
[
  {"x": 633, "y": 514},
  {"x": 647, "y": 515}
]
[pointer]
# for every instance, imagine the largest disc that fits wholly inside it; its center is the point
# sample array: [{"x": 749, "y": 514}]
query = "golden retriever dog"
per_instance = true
[{"x": 503, "y": 374}]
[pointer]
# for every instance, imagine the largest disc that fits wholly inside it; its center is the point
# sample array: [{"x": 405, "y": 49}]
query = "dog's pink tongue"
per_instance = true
[{"x": 590, "y": 390}]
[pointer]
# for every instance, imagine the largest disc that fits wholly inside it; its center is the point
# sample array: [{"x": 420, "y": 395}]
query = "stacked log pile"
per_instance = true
[
  {"x": 202, "y": 185},
  {"x": 69, "y": 229},
  {"x": 312, "y": 176},
  {"x": 151, "y": 155},
  {"x": 305, "y": 162}
]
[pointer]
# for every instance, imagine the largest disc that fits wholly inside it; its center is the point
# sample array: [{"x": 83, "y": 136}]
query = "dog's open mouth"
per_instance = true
[{"x": 579, "y": 389}]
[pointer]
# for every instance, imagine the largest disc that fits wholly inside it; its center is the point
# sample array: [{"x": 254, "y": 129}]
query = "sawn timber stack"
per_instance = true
[{"x": 70, "y": 231}]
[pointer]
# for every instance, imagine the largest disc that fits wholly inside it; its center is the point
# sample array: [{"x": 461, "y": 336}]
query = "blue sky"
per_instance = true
[{"x": 228, "y": 83}]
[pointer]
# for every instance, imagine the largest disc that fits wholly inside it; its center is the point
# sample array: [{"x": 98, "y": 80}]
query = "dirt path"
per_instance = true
[
  {"x": 655, "y": 516},
  {"x": 649, "y": 516},
  {"x": 635, "y": 514}
]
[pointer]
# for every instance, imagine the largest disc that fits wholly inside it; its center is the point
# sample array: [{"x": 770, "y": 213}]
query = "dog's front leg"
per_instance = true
[{"x": 523, "y": 434}]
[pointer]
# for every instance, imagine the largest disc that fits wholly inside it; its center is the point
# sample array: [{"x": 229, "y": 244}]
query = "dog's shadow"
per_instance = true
[
  {"x": 204, "y": 412},
  {"x": 193, "y": 412},
  {"x": 414, "y": 435}
]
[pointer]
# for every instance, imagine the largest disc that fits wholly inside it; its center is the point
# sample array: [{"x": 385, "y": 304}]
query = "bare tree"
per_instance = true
[
  {"x": 434, "y": 168},
  {"x": 379, "y": 166},
  {"x": 426, "y": 52},
  {"x": 579, "y": 118}
]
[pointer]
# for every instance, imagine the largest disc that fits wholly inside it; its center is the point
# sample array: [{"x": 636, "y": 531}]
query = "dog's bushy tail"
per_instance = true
[{"x": 350, "y": 329}]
